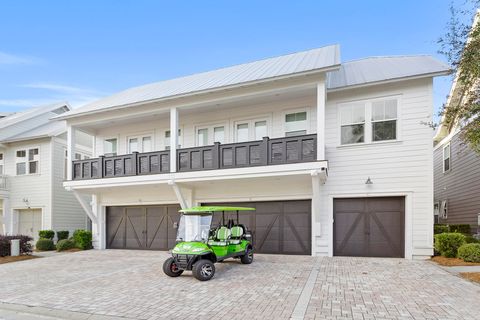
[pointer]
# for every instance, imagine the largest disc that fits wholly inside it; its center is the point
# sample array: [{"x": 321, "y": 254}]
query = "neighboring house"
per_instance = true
[
  {"x": 333, "y": 156},
  {"x": 456, "y": 171},
  {"x": 32, "y": 170}
]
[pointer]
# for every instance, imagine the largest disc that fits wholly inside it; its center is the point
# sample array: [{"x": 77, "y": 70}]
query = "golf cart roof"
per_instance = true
[{"x": 207, "y": 209}]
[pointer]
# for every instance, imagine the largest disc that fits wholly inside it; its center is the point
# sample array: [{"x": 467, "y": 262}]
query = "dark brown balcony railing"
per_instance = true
[{"x": 218, "y": 156}]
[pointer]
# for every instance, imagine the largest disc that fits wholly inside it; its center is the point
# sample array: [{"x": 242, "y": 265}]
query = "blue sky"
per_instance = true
[{"x": 79, "y": 51}]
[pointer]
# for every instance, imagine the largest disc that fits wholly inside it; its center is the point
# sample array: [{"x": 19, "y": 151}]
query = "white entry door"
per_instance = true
[{"x": 30, "y": 222}]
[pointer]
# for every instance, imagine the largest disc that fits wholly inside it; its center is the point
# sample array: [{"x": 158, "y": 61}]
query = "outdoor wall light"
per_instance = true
[
  {"x": 27, "y": 203},
  {"x": 369, "y": 181}
]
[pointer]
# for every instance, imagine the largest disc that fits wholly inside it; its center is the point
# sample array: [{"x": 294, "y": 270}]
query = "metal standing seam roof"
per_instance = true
[
  {"x": 49, "y": 129},
  {"x": 377, "y": 69},
  {"x": 286, "y": 65}
]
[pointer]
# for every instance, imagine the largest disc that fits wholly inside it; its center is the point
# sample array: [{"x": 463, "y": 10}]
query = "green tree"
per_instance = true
[{"x": 461, "y": 45}]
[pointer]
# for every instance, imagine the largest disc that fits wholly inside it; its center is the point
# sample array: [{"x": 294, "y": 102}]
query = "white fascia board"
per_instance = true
[{"x": 305, "y": 168}]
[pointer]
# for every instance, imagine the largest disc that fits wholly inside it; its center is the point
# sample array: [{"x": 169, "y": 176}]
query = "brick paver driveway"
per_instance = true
[{"x": 131, "y": 284}]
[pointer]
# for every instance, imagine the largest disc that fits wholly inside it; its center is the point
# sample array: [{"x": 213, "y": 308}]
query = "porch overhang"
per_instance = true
[{"x": 315, "y": 168}]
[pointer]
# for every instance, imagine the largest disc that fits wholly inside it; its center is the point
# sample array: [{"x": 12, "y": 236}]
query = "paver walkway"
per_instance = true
[{"x": 119, "y": 283}]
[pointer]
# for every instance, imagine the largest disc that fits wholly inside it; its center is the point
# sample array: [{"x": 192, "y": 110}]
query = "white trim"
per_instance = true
[
  {"x": 408, "y": 216},
  {"x": 447, "y": 145},
  {"x": 86, "y": 206},
  {"x": 173, "y": 138},
  {"x": 205, "y": 175}
]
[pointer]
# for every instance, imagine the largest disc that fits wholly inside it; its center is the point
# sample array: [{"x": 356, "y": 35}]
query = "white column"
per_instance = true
[
  {"x": 316, "y": 208},
  {"x": 94, "y": 146},
  {"x": 70, "y": 150},
  {"x": 321, "y": 100},
  {"x": 173, "y": 139}
]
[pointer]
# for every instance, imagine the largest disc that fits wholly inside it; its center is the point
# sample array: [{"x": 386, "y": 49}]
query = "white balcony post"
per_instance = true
[
  {"x": 321, "y": 100},
  {"x": 70, "y": 150},
  {"x": 7, "y": 216},
  {"x": 173, "y": 139},
  {"x": 94, "y": 146}
]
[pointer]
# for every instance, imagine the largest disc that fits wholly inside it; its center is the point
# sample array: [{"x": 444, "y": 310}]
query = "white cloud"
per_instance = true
[{"x": 6, "y": 58}]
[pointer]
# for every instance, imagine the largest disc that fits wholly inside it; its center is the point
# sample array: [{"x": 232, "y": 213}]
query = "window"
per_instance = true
[
  {"x": 166, "y": 141},
  {"x": 446, "y": 158},
  {"x": 260, "y": 130},
  {"x": 78, "y": 156},
  {"x": 202, "y": 137},
  {"x": 384, "y": 120},
  {"x": 444, "y": 209},
  {"x": 2, "y": 163},
  {"x": 110, "y": 146},
  {"x": 250, "y": 130},
  {"x": 242, "y": 132},
  {"x": 296, "y": 124},
  {"x": 140, "y": 144},
  {"x": 27, "y": 165},
  {"x": 368, "y": 121},
  {"x": 352, "y": 123},
  {"x": 219, "y": 134}
]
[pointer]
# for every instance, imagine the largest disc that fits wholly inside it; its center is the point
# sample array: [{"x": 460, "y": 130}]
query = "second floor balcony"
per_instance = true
[{"x": 285, "y": 150}]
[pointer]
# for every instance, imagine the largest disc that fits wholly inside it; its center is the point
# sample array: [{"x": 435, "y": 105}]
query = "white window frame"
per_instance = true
[
  {"x": 368, "y": 139},
  {"x": 449, "y": 157},
  {"x": 297, "y": 110},
  {"x": 27, "y": 161},
  {"x": 210, "y": 127},
  {"x": 111, "y": 138},
  {"x": 139, "y": 138},
  {"x": 251, "y": 126}
]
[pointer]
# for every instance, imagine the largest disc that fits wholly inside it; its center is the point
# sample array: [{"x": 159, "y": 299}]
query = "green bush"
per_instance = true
[
  {"x": 45, "y": 245},
  {"x": 65, "y": 244},
  {"x": 471, "y": 239},
  {"x": 62, "y": 235},
  {"x": 440, "y": 228},
  {"x": 83, "y": 239},
  {"x": 46, "y": 234},
  {"x": 448, "y": 243},
  {"x": 470, "y": 252},
  {"x": 460, "y": 228}
]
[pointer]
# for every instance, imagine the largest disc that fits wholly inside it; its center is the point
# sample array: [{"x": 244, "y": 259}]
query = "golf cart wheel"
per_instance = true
[
  {"x": 203, "y": 270},
  {"x": 247, "y": 258},
  {"x": 171, "y": 269}
]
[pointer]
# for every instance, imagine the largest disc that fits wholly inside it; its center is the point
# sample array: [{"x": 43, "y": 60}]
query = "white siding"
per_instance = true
[
  {"x": 36, "y": 187},
  {"x": 404, "y": 166},
  {"x": 67, "y": 212}
]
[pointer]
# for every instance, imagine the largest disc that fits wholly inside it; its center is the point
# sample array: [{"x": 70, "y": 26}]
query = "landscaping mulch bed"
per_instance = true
[
  {"x": 472, "y": 276},
  {"x": 15, "y": 259},
  {"x": 452, "y": 262}
]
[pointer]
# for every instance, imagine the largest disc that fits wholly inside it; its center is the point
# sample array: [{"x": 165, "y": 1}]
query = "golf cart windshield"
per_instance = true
[{"x": 194, "y": 227}]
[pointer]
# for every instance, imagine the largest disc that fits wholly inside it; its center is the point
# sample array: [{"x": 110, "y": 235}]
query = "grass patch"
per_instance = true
[
  {"x": 472, "y": 276},
  {"x": 452, "y": 262},
  {"x": 9, "y": 259}
]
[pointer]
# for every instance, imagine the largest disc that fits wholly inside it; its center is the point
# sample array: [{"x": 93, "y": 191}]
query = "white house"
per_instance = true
[
  {"x": 333, "y": 156},
  {"x": 32, "y": 170}
]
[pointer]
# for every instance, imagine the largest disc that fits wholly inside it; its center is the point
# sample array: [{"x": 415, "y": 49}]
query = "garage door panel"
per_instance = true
[
  {"x": 115, "y": 228},
  {"x": 135, "y": 235},
  {"x": 269, "y": 223},
  {"x": 156, "y": 228},
  {"x": 369, "y": 227}
]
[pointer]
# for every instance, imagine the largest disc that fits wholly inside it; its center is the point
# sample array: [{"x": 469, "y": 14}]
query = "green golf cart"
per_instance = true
[{"x": 200, "y": 244}]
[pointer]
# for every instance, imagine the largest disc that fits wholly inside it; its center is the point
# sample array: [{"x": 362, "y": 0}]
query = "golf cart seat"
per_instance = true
[
  {"x": 221, "y": 237},
  {"x": 236, "y": 236}
]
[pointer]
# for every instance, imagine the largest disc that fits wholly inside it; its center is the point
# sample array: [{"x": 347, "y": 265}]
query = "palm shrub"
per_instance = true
[
  {"x": 448, "y": 243},
  {"x": 65, "y": 244},
  {"x": 46, "y": 234},
  {"x": 45, "y": 245},
  {"x": 469, "y": 252},
  {"x": 61, "y": 235},
  {"x": 83, "y": 239}
]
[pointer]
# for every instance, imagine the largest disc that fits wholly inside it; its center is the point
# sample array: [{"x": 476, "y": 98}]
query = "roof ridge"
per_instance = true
[{"x": 390, "y": 56}]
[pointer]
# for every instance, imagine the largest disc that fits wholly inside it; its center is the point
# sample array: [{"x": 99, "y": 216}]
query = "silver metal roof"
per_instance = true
[
  {"x": 287, "y": 65},
  {"x": 33, "y": 123},
  {"x": 378, "y": 69}
]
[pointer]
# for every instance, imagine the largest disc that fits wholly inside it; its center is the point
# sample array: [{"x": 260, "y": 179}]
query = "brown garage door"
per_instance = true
[
  {"x": 145, "y": 227},
  {"x": 277, "y": 226},
  {"x": 369, "y": 227}
]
